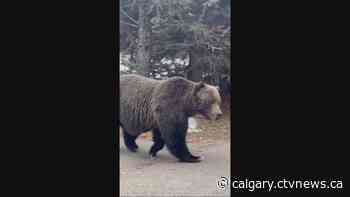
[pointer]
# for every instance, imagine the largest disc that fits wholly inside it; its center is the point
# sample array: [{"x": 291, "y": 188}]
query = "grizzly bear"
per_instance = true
[{"x": 164, "y": 107}]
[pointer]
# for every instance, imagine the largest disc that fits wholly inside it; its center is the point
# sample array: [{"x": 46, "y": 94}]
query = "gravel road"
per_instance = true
[{"x": 164, "y": 176}]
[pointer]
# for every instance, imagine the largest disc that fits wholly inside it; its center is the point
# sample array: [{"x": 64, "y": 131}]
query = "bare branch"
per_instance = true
[
  {"x": 150, "y": 9},
  {"x": 227, "y": 30},
  {"x": 132, "y": 25},
  {"x": 129, "y": 17},
  {"x": 204, "y": 11},
  {"x": 216, "y": 48},
  {"x": 127, "y": 5},
  {"x": 180, "y": 45}
]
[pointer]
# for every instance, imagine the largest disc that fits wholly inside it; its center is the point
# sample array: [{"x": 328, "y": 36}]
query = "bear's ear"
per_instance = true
[{"x": 199, "y": 86}]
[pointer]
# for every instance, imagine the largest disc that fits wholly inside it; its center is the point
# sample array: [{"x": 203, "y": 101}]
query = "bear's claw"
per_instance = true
[
  {"x": 133, "y": 148},
  {"x": 192, "y": 159}
]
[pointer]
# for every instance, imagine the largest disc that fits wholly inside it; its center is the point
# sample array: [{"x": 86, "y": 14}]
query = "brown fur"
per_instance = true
[{"x": 164, "y": 107}]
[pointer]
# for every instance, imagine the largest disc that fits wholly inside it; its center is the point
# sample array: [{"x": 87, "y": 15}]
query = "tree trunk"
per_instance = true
[
  {"x": 194, "y": 72},
  {"x": 143, "y": 45}
]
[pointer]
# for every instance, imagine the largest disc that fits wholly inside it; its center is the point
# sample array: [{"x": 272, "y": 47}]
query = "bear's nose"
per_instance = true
[{"x": 218, "y": 116}]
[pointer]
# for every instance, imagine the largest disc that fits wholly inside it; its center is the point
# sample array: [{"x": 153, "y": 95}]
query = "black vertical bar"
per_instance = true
[{"x": 115, "y": 99}]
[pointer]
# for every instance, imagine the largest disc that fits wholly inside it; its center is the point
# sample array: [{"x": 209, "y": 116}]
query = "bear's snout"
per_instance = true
[
  {"x": 219, "y": 115},
  {"x": 216, "y": 112}
]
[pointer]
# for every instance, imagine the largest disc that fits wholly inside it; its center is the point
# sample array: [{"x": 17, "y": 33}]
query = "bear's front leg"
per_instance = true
[{"x": 175, "y": 140}]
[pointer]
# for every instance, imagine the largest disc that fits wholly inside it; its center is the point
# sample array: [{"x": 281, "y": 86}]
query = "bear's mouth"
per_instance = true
[{"x": 205, "y": 114}]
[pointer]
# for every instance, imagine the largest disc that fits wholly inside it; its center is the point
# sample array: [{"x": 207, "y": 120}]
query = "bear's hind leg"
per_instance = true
[
  {"x": 129, "y": 141},
  {"x": 158, "y": 143}
]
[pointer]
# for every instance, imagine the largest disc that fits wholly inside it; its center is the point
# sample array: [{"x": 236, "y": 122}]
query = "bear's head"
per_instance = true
[{"x": 207, "y": 101}]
